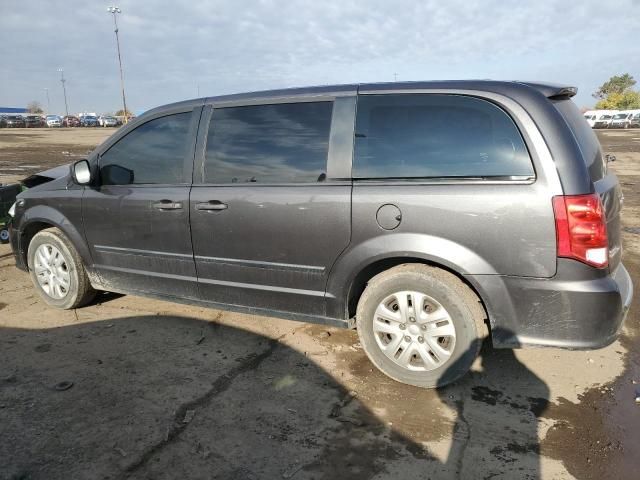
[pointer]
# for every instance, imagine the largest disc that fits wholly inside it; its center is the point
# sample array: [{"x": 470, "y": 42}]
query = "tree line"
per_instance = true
[{"x": 617, "y": 93}]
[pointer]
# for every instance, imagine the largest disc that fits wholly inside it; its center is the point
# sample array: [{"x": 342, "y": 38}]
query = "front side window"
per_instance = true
[
  {"x": 153, "y": 153},
  {"x": 280, "y": 143},
  {"x": 433, "y": 136}
]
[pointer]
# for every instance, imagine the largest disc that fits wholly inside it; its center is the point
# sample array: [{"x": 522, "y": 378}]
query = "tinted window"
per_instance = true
[
  {"x": 152, "y": 153},
  {"x": 585, "y": 136},
  {"x": 268, "y": 143},
  {"x": 428, "y": 135}
]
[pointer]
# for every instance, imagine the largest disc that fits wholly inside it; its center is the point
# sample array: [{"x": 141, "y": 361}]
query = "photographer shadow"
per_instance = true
[{"x": 168, "y": 397}]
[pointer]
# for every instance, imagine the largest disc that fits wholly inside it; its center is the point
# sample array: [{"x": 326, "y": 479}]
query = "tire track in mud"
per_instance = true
[{"x": 180, "y": 423}]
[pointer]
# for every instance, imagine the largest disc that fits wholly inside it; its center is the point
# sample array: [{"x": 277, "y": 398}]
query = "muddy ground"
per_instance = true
[{"x": 137, "y": 388}]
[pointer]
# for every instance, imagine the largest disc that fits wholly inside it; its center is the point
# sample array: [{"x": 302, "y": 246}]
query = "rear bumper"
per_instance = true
[{"x": 580, "y": 308}]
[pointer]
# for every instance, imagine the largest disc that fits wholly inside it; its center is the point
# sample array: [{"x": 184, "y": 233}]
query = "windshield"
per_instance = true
[
  {"x": 618, "y": 116},
  {"x": 605, "y": 117},
  {"x": 52, "y": 117}
]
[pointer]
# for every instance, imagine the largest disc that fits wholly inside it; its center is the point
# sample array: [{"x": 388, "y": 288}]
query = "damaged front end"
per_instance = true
[{"x": 8, "y": 194}]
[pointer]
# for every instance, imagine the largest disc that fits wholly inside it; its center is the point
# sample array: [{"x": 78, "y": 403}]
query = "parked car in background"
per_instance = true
[
  {"x": 89, "y": 121},
  {"x": 71, "y": 121},
  {"x": 620, "y": 120},
  {"x": 33, "y": 121},
  {"x": 635, "y": 121},
  {"x": 427, "y": 215},
  {"x": 591, "y": 117},
  {"x": 3, "y": 121},
  {"x": 15, "y": 121},
  {"x": 108, "y": 121},
  {"x": 603, "y": 121},
  {"x": 53, "y": 121}
]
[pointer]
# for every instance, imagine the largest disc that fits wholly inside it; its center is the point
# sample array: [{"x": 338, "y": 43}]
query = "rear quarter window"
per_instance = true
[
  {"x": 584, "y": 135},
  {"x": 434, "y": 135}
]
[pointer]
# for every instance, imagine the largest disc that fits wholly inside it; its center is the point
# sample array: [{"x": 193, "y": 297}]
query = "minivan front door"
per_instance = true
[
  {"x": 137, "y": 219},
  {"x": 271, "y": 213}
]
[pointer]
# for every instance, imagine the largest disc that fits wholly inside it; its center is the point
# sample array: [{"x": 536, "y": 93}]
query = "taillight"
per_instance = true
[{"x": 581, "y": 229}]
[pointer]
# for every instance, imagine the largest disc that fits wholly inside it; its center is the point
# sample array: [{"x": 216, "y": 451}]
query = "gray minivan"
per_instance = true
[{"x": 426, "y": 214}]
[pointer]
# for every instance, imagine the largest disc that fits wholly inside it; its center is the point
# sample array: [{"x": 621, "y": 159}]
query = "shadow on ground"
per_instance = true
[{"x": 174, "y": 397}]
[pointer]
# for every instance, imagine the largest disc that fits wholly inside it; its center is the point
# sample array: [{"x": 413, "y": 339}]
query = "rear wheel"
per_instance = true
[
  {"x": 420, "y": 325},
  {"x": 57, "y": 271}
]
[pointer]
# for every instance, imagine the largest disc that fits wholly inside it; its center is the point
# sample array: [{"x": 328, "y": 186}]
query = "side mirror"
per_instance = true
[{"x": 81, "y": 172}]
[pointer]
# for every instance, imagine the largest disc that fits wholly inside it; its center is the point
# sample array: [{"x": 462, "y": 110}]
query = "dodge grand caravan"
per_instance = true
[{"x": 426, "y": 215}]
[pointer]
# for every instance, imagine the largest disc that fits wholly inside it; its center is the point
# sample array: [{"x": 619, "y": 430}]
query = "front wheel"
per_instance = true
[
  {"x": 420, "y": 325},
  {"x": 57, "y": 271}
]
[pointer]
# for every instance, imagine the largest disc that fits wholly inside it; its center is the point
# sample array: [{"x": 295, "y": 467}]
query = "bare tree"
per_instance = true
[{"x": 34, "y": 107}]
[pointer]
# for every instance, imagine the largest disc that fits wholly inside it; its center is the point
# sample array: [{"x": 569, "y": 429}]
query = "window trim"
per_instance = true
[
  {"x": 332, "y": 175},
  {"x": 187, "y": 162}
]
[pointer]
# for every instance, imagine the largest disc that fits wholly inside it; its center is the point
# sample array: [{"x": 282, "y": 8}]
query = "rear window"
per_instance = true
[{"x": 435, "y": 136}]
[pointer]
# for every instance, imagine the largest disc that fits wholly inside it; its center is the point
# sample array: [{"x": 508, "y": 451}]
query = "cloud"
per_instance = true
[{"x": 171, "y": 48}]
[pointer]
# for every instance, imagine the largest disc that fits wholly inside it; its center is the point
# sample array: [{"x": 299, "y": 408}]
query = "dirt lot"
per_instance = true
[{"x": 135, "y": 388}]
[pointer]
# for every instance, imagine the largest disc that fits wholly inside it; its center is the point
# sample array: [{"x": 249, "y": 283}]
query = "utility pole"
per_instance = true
[
  {"x": 64, "y": 90},
  {"x": 48, "y": 101},
  {"x": 114, "y": 11},
  {"x": 395, "y": 77}
]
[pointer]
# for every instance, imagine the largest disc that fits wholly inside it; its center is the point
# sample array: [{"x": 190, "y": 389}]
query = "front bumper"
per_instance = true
[
  {"x": 17, "y": 248},
  {"x": 580, "y": 308}
]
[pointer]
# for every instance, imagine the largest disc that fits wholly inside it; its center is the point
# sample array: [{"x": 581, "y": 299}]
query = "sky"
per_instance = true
[{"x": 173, "y": 51}]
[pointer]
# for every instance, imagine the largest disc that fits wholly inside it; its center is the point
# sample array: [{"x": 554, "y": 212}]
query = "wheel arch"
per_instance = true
[
  {"x": 358, "y": 265},
  {"x": 42, "y": 217}
]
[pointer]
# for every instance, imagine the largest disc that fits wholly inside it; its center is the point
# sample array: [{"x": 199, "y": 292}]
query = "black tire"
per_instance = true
[
  {"x": 4, "y": 235},
  {"x": 80, "y": 291},
  {"x": 464, "y": 308}
]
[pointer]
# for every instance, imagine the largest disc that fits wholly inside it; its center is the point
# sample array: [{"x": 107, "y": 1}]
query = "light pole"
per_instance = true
[
  {"x": 64, "y": 90},
  {"x": 48, "y": 101},
  {"x": 114, "y": 11}
]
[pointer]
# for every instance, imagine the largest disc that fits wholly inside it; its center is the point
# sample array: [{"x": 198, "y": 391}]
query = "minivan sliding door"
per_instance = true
[{"x": 271, "y": 209}]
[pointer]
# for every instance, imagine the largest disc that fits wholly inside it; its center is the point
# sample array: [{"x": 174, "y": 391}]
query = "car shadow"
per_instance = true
[
  {"x": 169, "y": 397},
  {"x": 497, "y": 409}
]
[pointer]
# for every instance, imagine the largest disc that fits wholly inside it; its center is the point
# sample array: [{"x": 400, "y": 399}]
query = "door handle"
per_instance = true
[
  {"x": 167, "y": 205},
  {"x": 211, "y": 205}
]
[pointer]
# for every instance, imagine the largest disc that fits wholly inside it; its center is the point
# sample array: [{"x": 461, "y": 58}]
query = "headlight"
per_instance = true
[{"x": 12, "y": 210}]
